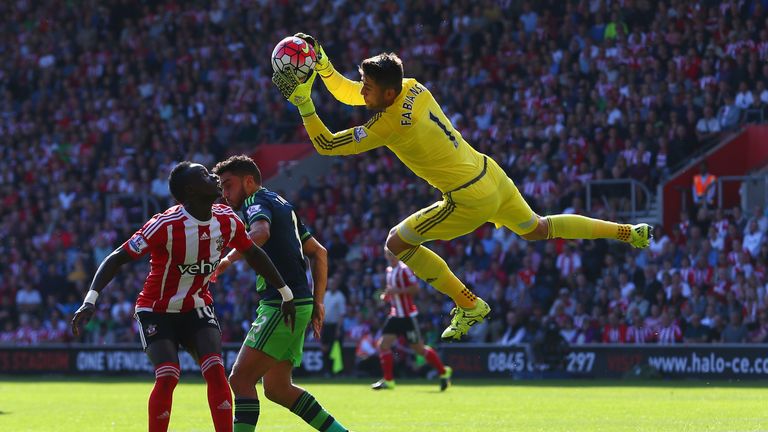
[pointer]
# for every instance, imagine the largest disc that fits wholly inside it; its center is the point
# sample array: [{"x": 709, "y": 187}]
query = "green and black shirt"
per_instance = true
[{"x": 286, "y": 236}]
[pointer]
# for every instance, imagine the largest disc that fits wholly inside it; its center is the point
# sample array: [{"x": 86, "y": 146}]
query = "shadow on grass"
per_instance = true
[{"x": 458, "y": 382}]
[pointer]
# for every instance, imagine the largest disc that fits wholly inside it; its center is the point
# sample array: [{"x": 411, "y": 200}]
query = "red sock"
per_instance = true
[
  {"x": 219, "y": 394},
  {"x": 166, "y": 378},
  {"x": 385, "y": 357},
  {"x": 430, "y": 355}
]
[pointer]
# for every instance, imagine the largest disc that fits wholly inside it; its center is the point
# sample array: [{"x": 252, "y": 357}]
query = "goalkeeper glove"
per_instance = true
[
  {"x": 323, "y": 65},
  {"x": 297, "y": 93}
]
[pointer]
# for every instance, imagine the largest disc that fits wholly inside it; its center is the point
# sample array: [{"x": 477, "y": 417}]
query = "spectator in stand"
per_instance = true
[
  {"x": 637, "y": 332},
  {"x": 615, "y": 331},
  {"x": 669, "y": 331},
  {"x": 28, "y": 300},
  {"x": 753, "y": 238},
  {"x": 639, "y": 304},
  {"x": 708, "y": 125},
  {"x": 735, "y": 331},
  {"x": 514, "y": 332},
  {"x": 760, "y": 334},
  {"x": 744, "y": 98},
  {"x": 695, "y": 332},
  {"x": 729, "y": 114},
  {"x": 568, "y": 331}
]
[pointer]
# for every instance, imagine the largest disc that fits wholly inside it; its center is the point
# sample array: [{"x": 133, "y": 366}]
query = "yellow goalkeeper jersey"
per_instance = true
[{"x": 414, "y": 127}]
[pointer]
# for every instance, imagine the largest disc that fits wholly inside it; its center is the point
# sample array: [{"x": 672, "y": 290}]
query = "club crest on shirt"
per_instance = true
[
  {"x": 220, "y": 244},
  {"x": 151, "y": 330},
  {"x": 359, "y": 133},
  {"x": 137, "y": 243}
]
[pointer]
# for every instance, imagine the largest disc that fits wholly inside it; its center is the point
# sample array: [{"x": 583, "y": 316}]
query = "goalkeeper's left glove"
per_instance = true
[
  {"x": 297, "y": 93},
  {"x": 323, "y": 65}
]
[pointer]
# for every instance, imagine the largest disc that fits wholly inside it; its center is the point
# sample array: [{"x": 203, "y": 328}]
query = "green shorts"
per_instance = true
[{"x": 270, "y": 335}]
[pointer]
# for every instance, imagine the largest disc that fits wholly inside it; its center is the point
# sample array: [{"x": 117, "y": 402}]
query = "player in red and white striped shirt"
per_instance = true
[
  {"x": 402, "y": 285},
  {"x": 175, "y": 307}
]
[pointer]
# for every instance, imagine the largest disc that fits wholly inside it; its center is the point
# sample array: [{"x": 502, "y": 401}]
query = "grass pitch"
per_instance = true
[{"x": 100, "y": 404}]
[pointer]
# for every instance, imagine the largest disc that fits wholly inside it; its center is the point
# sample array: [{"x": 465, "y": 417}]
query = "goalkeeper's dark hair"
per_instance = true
[
  {"x": 177, "y": 179},
  {"x": 386, "y": 69},
  {"x": 240, "y": 165}
]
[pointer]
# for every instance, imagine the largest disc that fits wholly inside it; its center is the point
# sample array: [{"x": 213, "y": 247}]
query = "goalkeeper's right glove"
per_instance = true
[{"x": 323, "y": 65}]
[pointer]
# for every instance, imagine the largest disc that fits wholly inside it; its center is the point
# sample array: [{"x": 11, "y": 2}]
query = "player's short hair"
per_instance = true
[
  {"x": 386, "y": 69},
  {"x": 239, "y": 165},
  {"x": 176, "y": 180}
]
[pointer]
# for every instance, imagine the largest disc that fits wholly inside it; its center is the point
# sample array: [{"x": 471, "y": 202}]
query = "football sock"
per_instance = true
[
  {"x": 432, "y": 269},
  {"x": 166, "y": 378},
  {"x": 219, "y": 394},
  {"x": 569, "y": 226},
  {"x": 385, "y": 357},
  {"x": 311, "y": 412},
  {"x": 246, "y": 414},
  {"x": 430, "y": 355}
]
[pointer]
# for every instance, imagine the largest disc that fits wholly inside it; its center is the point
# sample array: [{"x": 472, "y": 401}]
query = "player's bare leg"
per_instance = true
[
  {"x": 279, "y": 388},
  {"x": 278, "y": 384},
  {"x": 249, "y": 367},
  {"x": 387, "y": 363},
  {"x": 570, "y": 226},
  {"x": 432, "y": 269},
  {"x": 430, "y": 355},
  {"x": 164, "y": 356}
]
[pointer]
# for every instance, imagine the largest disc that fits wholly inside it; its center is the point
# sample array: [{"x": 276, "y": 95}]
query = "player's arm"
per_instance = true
[
  {"x": 259, "y": 234},
  {"x": 318, "y": 261},
  {"x": 376, "y": 133},
  {"x": 104, "y": 275},
  {"x": 411, "y": 284},
  {"x": 247, "y": 248},
  {"x": 263, "y": 265},
  {"x": 260, "y": 262},
  {"x": 411, "y": 289},
  {"x": 373, "y": 134},
  {"x": 343, "y": 89}
]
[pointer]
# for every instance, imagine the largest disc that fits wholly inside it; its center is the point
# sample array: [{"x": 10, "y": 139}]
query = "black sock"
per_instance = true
[{"x": 246, "y": 414}]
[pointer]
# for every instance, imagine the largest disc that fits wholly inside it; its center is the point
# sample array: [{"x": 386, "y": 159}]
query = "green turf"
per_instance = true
[{"x": 120, "y": 405}]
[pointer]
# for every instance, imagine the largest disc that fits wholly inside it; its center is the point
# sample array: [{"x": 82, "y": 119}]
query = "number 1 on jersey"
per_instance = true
[{"x": 447, "y": 133}]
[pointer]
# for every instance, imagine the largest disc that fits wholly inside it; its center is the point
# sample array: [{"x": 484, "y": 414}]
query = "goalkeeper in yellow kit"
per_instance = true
[{"x": 475, "y": 189}]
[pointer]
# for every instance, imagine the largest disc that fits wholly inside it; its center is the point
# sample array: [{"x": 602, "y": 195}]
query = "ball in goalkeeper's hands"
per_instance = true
[{"x": 295, "y": 53}]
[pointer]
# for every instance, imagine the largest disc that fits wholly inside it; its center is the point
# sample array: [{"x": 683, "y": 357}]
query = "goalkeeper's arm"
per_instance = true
[
  {"x": 343, "y": 89},
  {"x": 359, "y": 139},
  {"x": 376, "y": 133}
]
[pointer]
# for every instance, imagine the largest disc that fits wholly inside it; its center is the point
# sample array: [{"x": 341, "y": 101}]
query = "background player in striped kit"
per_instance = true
[
  {"x": 175, "y": 307},
  {"x": 401, "y": 286}
]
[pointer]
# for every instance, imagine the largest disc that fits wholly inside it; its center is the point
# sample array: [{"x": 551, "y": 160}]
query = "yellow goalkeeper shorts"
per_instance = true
[{"x": 489, "y": 197}]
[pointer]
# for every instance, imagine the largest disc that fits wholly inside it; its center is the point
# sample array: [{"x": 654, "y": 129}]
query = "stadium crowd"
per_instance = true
[{"x": 101, "y": 98}]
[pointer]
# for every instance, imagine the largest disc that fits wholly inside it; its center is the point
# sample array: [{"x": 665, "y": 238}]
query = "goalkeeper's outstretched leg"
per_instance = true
[
  {"x": 571, "y": 226},
  {"x": 429, "y": 267},
  {"x": 461, "y": 212}
]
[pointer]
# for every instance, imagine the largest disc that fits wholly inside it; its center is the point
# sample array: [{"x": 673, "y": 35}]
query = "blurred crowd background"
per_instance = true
[{"x": 100, "y": 98}]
